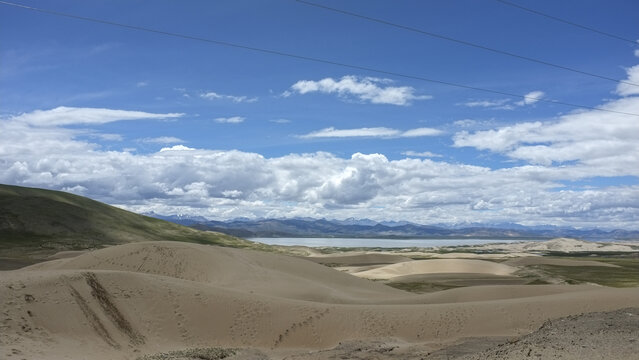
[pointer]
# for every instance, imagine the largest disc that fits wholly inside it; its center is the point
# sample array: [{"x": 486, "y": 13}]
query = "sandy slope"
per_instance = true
[
  {"x": 617, "y": 334},
  {"x": 242, "y": 270},
  {"x": 128, "y": 300},
  {"x": 562, "y": 245},
  {"x": 436, "y": 266},
  {"x": 358, "y": 259}
]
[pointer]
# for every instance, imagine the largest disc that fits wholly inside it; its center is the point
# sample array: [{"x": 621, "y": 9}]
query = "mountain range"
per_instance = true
[{"x": 366, "y": 228}]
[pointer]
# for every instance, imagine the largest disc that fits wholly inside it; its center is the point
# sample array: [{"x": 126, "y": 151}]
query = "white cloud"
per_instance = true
[
  {"x": 531, "y": 98},
  {"x": 177, "y": 148},
  {"x": 109, "y": 137},
  {"x": 331, "y": 132},
  {"x": 426, "y": 154},
  {"x": 230, "y": 120},
  {"x": 211, "y": 95},
  {"x": 486, "y": 103},
  {"x": 471, "y": 124},
  {"x": 227, "y": 184},
  {"x": 231, "y": 193},
  {"x": 365, "y": 89},
  {"x": 382, "y": 132},
  {"x": 161, "y": 140},
  {"x": 421, "y": 132},
  {"x": 61, "y": 116},
  {"x": 624, "y": 89},
  {"x": 632, "y": 73},
  {"x": 506, "y": 104},
  {"x": 607, "y": 140},
  {"x": 142, "y": 83},
  {"x": 466, "y": 123}
]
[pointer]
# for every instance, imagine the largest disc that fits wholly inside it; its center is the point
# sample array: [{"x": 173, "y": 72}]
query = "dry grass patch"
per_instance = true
[{"x": 212, "y": 353}]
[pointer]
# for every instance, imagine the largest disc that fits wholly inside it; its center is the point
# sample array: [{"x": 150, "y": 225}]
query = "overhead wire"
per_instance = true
[
  {"x": 462, "y": 42},
  {"x": 584, "y": 27},
  {"x": 309, "y": 58}
]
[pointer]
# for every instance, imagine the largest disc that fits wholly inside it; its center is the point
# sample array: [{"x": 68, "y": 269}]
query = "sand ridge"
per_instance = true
[
  {"x": 247, "y": 270},
  {"x": 359, "y": 259},
  {"x": 436, "y": 266},
  {"x": 128, "y": 300},
  {"x": 563, "y": 245}
]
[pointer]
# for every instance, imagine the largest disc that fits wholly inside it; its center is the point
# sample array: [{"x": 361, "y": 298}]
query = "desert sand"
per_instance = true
[
  {"x": 436, "y": 266},
  {"x": 127, "y": 301},
  {"x": 559, "y": 245}
]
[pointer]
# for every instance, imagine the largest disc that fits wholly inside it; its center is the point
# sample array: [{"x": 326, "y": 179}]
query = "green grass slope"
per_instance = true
[{"x": 35, "y": 223}]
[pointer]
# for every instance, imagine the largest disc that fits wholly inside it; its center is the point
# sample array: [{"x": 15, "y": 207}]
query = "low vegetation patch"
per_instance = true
[
  {"x": 211, "y": 353},
  {"x": 421, "y": 287},
  {"x": 595, "y": 255},
  {"x": 538, "y": 282},
  {"x": 626, "y": 275},
  {"x": 36, "y": 223}
]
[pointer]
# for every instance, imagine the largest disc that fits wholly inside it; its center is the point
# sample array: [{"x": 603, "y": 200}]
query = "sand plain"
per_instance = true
[{"x": 135, "y": 300}]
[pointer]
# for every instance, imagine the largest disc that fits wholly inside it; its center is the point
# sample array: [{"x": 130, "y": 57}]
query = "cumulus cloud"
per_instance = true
[
  {"x": 608, "y": 140},
  {"x": 226, "y": 184},
  {"x": 381, "y": 132},
  {"x": 624, "y": 89},
  {"x": 61, "y": 116},
  {"x": 365, "y": 89},
  {"x": 177, "y": 148},
  {"x": 211, "y": 95},
  {"x": 230, "y": 120}
]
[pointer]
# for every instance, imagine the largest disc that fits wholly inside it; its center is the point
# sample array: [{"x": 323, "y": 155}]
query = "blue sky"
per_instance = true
[{"x": 157, "y": 123}]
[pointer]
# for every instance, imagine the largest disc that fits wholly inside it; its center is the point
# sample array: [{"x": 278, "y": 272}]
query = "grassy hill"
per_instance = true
[{"x": 35, "y": 223}]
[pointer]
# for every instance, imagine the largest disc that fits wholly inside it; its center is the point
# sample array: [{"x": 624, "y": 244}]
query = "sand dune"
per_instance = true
[
  {"x": 129, "y": 300},
  {"x": 564, "y": 245},
  {"x": 436, "y": 266},
  {"x": 359, "y": 259},
  {"x": 242, "y": 270}
]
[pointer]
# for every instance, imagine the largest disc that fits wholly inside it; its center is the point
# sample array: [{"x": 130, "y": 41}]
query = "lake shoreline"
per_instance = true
[{"x": 346, "y": 242}]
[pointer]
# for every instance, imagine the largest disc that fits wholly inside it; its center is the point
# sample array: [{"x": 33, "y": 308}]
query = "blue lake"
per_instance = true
[{"x": 382, "y": 243}]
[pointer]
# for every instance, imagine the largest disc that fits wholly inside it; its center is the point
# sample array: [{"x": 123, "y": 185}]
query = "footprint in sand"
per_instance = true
[
  {"x": 179, "y": 316},
  {"x": 244, "y": 329},
  {"x": 308, "y": 322}
]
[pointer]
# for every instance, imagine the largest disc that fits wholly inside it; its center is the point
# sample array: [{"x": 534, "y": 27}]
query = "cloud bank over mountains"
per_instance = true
[
  {"x": 39, "y": 149},
  {"x": 545, "y": 178}
]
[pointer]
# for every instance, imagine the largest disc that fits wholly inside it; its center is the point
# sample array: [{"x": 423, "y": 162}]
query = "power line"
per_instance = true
[
  {"x": 308, "y": 58},
  {"x": 584, "y": 27},
  {"x": 463, "y": 42}
]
